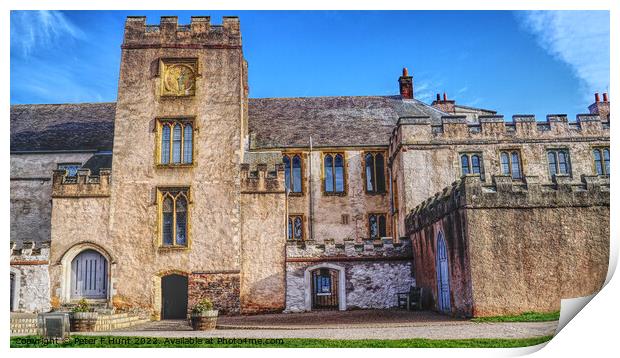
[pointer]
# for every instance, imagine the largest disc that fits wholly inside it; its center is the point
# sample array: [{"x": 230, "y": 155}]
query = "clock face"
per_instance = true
[{"x": 179, "y": 79}]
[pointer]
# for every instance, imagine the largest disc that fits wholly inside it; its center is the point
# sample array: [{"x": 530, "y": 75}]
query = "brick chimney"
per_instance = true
[
  {"x": 405, "y": 83},
  {"x": 444, "y": 104},
  {"x": 600, "y": 107}
]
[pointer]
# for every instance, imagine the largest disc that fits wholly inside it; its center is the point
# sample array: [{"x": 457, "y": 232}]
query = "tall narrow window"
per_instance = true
[
  {"x": 165, "y": 145},
  {"x": 333, "y": 171},
  {"x": 167, "y": 220},
  {"x": 511, "y": 164},
  {"x": 559, "y": 162},
  {"x": 187, "y": 143},
  {"x": 293, "y": 172},
  {"x": 295, "y": 227},
  {"x": 601, "y": 160},
  {"x": 176, "y": 142},
  {"x": 329, "y": 173},
  {"x": 173, "y": 211},
  {"x": 377, "y": 226},
  {"x": 296, "y": 187},
  {"x": 471, "y": 163},
  {"x": 339, "y": 173},
  {"x": 374, "y": 172}
]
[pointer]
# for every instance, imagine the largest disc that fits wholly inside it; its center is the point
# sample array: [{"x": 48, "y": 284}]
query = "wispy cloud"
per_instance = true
[
  {"x": 578, "y": 38},
  {"x": 32, "y": 30}
]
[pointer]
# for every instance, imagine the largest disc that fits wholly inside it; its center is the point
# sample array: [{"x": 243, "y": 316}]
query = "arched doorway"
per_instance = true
[
  {"x": 324, "y": 289},
  {"x": 174, "y": 297},
  {"x": 443, "y": 275},
  {"x": 89, "y": 276}
]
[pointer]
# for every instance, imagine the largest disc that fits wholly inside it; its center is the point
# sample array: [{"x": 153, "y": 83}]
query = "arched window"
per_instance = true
[
  {"x": 328, "y": 166},
  {"x": 295, "y": 227},
  {"x": 515, "y": 163},
  {"x": 370, "y": 173},
  {"x": 471, "y": 163},
  {"x": 511, "y": 164},
  {"x": 165, "y": 145},
  {"x": 339, "y": 173},
  {"x": 377, "y": 226},
  {"x": 465, "y": 164},
  {"x": 187, "y": 144},
  {"x": 176, "y": 142},
  {"x": 287, "y": 171},
  {"x": 505, "y": 162},
  {"x": 296, "y": 187},
  {"x": 174, "y": 213},
  {"x": 559, "y": 162},
  {"x": 601, "y": 161},
  {"x": 374, "y": 172},
  {"x": 293, "y": 172}
]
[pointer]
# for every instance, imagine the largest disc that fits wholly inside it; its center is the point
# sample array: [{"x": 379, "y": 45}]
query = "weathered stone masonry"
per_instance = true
[
  {"x": 374, "y": 271},
  {"x": 513, "y": 248}
]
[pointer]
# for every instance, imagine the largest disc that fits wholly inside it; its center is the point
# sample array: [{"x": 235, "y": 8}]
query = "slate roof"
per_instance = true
[
  {"x": 331, "y": 121},
  {"x": 273, "y": 122},
  {"x": 47, "y": 127}
]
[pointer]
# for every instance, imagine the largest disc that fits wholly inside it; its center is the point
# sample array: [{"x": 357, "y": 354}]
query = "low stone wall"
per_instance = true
[
  {"x": 30, "y": 276},
  {"x": 374, "y": 272}
]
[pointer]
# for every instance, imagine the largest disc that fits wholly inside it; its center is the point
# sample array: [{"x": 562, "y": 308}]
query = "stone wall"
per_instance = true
[
  {"x": 31, "y": 190},
  {"x": 222, "y": 288},
  {"x": 425, "y": 156},
  {"x": 263, "y": 215},
  {"x": 514, "y": 248},
  {"x": 374, "y": 271},
  {"x": 29, "y": 269}
]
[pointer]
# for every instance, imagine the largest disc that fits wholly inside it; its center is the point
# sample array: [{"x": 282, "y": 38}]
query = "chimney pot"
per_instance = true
[
  {"x": 605, "y": 98},
  {"x": 405, "y": 72},
  {"x": 445, "y": 97},
  {"x": 438, "y": 97},
  {"x": 596, "y": 98}
]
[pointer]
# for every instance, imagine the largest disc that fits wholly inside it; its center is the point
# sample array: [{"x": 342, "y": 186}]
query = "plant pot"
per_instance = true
[
  {"x": 83, "y": 321},
  {"x": 204, "y": 321}
]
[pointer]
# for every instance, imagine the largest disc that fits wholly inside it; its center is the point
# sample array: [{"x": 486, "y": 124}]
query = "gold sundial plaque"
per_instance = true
[{"x": 179, "y": 78}]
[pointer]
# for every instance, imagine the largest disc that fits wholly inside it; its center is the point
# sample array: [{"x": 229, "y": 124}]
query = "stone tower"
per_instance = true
[{"x": 192, "y": 75}]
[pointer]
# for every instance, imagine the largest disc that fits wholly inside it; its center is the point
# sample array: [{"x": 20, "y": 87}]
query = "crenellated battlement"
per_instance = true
[
  {"x": 349, "y": 249},
  {"x": 29, "y": 251},
  {"x": 198, "y": 34},
  {"x": 260, "y": 180},
  {"x": 82, "y": 185},
  {"x": 420, "y": 129},
  {"x": 469, "y": 192}
]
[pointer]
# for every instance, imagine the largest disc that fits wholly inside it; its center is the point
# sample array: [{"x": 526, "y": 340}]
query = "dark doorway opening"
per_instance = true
[
  {"x": 325, "y": 289},
  {"x": 174, "y": 297}
]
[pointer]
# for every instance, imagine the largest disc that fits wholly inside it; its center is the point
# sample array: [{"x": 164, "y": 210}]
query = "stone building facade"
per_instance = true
[{"x": 186, "y": 188}]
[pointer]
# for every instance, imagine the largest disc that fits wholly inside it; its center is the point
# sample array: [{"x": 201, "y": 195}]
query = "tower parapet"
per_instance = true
[
  {"x": 200, "y": 33},
  {"x": 84, "y": 185},
  {"x": 261, "y": 180},
  {"x": 349, "y": 249}
]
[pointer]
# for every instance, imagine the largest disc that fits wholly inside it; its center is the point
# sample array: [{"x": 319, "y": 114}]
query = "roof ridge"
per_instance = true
[
  {"x": 60, "y": 104},
  {"x": 311, "y": 97}
]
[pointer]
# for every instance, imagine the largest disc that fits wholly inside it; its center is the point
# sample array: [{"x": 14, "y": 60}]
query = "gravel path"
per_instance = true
[{"x": 345, "y": 325}]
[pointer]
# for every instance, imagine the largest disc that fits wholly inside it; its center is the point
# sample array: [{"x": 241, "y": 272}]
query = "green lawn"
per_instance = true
[
  {"x": 145, "y": 342},
  {"x": 524, "y": 317}
]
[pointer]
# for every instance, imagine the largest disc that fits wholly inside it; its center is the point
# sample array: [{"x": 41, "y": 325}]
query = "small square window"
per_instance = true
[{"x": 71, "y": 168}]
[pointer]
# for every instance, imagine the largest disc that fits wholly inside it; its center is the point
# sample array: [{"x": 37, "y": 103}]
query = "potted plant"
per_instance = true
[
  {"x": 204, "y": 317},
  {"x": 83, "y": 319}
]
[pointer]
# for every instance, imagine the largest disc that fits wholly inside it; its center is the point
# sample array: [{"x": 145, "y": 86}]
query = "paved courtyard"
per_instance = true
[{"x": 368, "y": 324}]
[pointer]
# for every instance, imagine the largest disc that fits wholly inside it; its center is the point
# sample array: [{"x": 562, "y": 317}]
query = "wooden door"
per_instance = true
[{"x": 89, "y": 276}]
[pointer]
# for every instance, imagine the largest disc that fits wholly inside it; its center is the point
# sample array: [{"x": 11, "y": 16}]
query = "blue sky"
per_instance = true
[{"x": 513, "y": 62}]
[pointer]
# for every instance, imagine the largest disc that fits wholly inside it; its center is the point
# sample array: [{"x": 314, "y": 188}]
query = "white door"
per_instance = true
[{"x": 89, "y": 275}]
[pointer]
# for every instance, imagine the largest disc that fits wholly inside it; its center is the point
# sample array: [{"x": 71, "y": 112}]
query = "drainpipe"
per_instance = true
[{"x": 311, "y": 213}]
